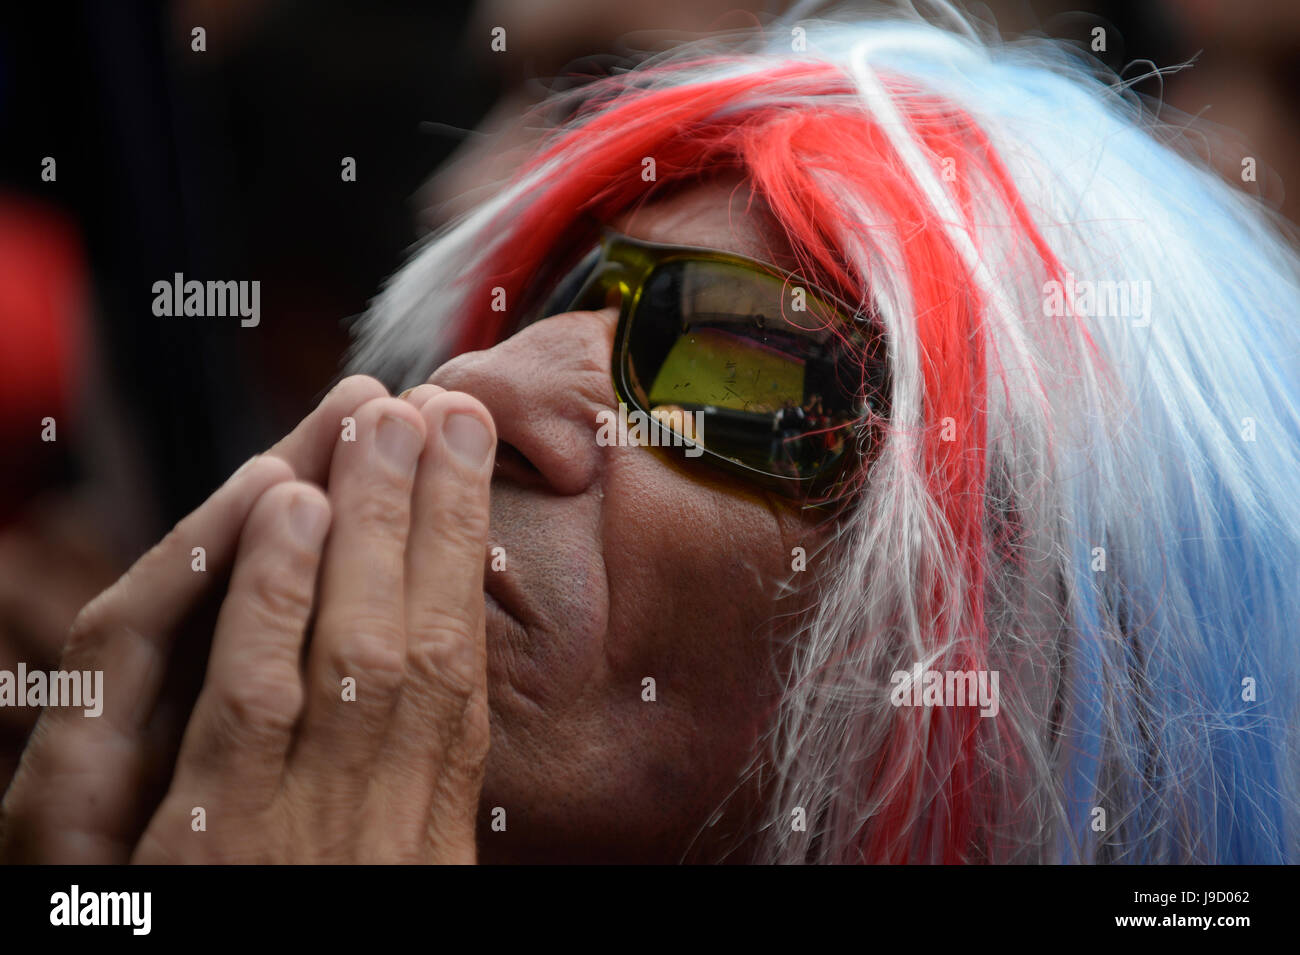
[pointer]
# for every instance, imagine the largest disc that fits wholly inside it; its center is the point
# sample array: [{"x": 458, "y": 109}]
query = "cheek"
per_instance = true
[{"x": 693, "y": 575}]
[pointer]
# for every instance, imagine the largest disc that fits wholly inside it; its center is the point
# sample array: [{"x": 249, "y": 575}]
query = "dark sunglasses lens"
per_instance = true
[{"x": 766, "y": 373}]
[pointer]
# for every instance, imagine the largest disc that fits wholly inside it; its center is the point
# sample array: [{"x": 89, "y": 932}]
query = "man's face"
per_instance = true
[{"x": 623, "y": 565}]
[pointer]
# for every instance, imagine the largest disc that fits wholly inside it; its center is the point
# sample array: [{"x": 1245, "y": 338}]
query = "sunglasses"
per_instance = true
[{"x": 738, "y": 363}]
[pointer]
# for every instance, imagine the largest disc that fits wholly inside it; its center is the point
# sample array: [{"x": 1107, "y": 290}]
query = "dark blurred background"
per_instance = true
[{"x": 225, "y": 164}]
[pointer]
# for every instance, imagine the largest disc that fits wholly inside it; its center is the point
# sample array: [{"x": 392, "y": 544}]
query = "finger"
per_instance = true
[
  {"x": 76, "y": 792},
  {"x": 127, "y": 631},
  {"x": 359, "y": 635},
  {"x": 310, "y": 446},
  {"x": 441, "y": 714},
  {"x": 252, "y": 694}
]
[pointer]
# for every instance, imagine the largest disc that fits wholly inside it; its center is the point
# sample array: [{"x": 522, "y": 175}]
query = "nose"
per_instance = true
[{"x": 544, "y": 387}]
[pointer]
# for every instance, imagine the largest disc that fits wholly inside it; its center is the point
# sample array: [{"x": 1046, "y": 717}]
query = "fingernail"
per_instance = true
[
  {"x": 468, "y": 438},
  {"x": 399, "y": 444},
  {"x": 309, "y": 518},
  {"x": 406, "y": 392}
]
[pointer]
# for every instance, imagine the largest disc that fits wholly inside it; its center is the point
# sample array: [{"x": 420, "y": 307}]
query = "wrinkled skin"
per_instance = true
[{"x": 475, "y": 688}]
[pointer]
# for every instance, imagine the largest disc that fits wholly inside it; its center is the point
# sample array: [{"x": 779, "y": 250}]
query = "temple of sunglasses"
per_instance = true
[{"x": 742, "y": 363}]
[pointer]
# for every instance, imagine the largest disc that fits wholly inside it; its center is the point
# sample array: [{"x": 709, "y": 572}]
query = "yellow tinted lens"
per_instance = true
[{"x": 766, "y": 368}]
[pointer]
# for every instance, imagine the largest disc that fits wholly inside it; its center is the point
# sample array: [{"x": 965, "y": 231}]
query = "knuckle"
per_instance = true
[
  {"x": 446, "y": 662},
  {"x": 268, "y": 517},
  {"x": 375, "y": 651},
  {"x": 264, "y": 701},
  {"x": 384, "y": 514},
  {"x": 475, "y": 742},
  {"x": 463, "y": 523},
  {"x": 280, "y": 594}
]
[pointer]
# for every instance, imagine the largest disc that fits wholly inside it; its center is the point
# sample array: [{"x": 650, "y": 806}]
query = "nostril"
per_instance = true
[{"x": 513, "y": 465}]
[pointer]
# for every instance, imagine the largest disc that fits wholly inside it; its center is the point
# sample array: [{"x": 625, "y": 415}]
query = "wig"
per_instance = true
[{"x": 1088, "y": 479}]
